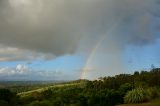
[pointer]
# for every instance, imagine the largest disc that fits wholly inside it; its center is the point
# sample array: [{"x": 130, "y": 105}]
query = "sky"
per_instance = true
[{"x": 77, "y": 39}]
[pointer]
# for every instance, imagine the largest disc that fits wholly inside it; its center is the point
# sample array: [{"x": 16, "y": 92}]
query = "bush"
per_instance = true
[
  {"x": 3, "y": 103},
  {"x": 154, "y": 93},
  {"x": 40, "y": 103},
  {"x": 47, "y": 93},
  {"x": 138, "y": 95},
  {"x": 26, "y": 100},
  {"x": 8, "y": 97},
  {"x": 36, "y": 95},
  {"x": 140, "y": 84},
  {"x": 125, "y": 88}
]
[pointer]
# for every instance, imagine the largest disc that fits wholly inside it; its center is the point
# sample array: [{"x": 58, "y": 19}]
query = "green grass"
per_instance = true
[
  {"x": 22, "y": 94},
  {"x": 155, "y": 102}
]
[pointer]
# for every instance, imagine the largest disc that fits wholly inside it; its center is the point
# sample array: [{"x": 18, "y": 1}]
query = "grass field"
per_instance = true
[
  {"x": 155, "y": 102},
  {"x": 45, "y": 88}
]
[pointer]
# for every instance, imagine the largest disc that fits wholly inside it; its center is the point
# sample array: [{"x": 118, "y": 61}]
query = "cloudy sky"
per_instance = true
[{"x": 72, "y": 39}]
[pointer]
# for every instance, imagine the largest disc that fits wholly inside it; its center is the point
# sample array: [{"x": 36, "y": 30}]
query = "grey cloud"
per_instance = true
[
  {"x": 15, "y": 54},
  {"x": 59, "y": 26}
]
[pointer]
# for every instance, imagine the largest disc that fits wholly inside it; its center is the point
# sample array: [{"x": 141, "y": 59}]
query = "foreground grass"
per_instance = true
[{"x": 155, "y": 102}]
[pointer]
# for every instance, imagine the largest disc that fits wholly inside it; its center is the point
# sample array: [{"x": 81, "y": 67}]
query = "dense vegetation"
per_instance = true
[
  {"x": 24, "y": 86},
  {"x": 108, "y": 91}
]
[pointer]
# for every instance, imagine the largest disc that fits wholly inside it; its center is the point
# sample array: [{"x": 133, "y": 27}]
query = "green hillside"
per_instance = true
[
  {"x": 49, "y": 87},
  {"x": 138, "y": 89}
]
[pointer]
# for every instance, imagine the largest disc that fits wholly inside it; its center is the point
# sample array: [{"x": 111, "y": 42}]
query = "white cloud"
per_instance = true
[
  {"x": 19, "y": 69},
  {"x": 23, "y": 72}
]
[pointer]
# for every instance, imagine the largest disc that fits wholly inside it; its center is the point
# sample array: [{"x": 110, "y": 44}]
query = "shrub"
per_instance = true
[
  {"x": 154, "y": 93},
  {"x": 40, "y": 103},
  {"x": 137, "y": 96},
  {"x": 47, "y": 93},
  {"x": 6, "y": 96},
  {"x": 36, "y": 95},
  {"x": 26, "y": 100},
  {"x": 125, "y": 88},
  {"x": 140, "y": 84},
  {"x": 3, "y": 103}
]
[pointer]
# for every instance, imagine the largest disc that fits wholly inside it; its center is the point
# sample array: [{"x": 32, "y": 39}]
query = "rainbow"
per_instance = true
[
  {"x": 86, "y": 67},
  {"x": 92, "y": 54}
]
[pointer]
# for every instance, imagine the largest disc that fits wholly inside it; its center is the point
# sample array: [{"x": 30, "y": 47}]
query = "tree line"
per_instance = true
[{"x": 106, "y": 91}]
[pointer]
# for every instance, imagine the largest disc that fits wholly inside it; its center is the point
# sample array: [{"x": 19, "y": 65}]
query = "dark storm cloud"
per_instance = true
[{"x": 59, "y": 26}]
